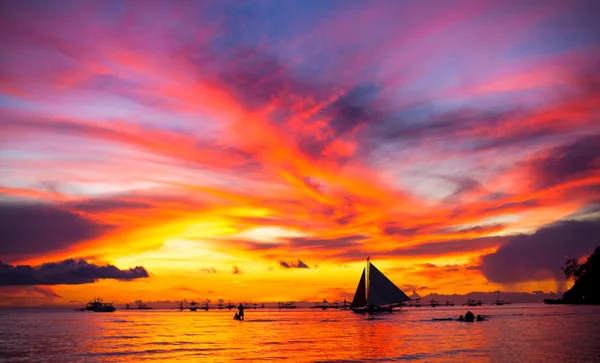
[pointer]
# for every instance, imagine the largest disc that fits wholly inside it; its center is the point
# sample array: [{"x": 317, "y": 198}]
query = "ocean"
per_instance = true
[{"x": 513, "y": 333}]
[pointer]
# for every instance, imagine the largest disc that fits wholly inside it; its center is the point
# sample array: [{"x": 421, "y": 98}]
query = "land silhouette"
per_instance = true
[{"x": 587, "y": 279}]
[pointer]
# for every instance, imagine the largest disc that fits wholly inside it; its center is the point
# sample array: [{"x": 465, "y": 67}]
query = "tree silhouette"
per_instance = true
[{"x": 573, "y": 269}]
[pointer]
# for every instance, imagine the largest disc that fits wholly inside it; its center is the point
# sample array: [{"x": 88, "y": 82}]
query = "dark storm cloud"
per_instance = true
[
  {"x": 107, "y": 204},
  {"x": 36, "y": 229},
  {"x": 567, "y": 162},
  {"x": 68, "y": 272},
  {"x": 297, "y": 264},
  {"x": 541, "y": 254}
]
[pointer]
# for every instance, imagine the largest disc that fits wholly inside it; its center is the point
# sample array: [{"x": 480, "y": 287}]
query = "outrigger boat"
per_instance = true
[{"x": 376, "y": 293}]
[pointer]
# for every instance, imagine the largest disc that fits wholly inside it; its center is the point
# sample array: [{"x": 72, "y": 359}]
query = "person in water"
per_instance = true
[
  {"x": 241, "y": 310},
  {"x": 469, "y": 317},
  {"x": 461, "y": 318},
  {"x": 236, "y": 317}
]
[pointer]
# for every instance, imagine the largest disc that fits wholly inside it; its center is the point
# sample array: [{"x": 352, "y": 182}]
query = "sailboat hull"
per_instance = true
[{"x": 375, "y": 309}]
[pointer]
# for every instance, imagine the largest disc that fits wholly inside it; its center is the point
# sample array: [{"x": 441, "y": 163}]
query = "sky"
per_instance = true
[{"x": 261, "y": 150}]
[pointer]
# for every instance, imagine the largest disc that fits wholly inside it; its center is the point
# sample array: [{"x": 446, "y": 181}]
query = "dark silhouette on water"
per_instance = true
[
  {"x": 469, "y": 317},
  {"x": 236, "y": 317},
  {"x": 241, "y": 311},
  {"x": 376, "y": 293},
  {"x": 142, "y": 306},
  {"x": 98, "y": 306},
  {"x": 472, "y": 302},
  {"x": 500, "y": 302},
  {"x": 587, "y": 279}
]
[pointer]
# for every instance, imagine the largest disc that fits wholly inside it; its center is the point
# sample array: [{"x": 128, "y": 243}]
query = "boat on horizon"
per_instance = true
[
  {"x": 286, "y": 305},
  {"x": 98, "y": 306},
  {"x": 142, "y": 306},
  {"x": 471, "y": 302},
  {"x": 376, "y": 293},
  {"x": 324, "y": 305},
  {"x": 500, "y": 302}
]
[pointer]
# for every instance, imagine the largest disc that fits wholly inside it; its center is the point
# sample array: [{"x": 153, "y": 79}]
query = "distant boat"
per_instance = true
[
  {"x": 230, "y": 305},
  {"x": 434, "y": 303},
  {"x": 324, "y": 305},
  {"x": 449, "y": 303},
  {"x": 286, "y": 305},
  {"x": 98, "y": 306},
  {"x": 500, "y": 302},
  {"x": 345, "y": 306},
  {"x": 471, "y": 302},
  {"x": 143, "y": 306},
  {"x": 193, "y": 306},
  {"x": 376, "y": 293}
]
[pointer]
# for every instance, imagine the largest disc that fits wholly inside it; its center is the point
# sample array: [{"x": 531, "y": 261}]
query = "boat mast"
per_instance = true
[{"x": 367, "y": 280}]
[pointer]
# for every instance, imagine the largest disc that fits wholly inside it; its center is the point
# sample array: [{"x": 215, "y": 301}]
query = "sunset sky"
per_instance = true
[{"x": 261, "y": 150}]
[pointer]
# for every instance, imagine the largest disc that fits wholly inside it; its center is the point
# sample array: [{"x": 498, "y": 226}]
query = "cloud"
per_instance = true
[
  {"x": 566, "y": 162},
  {"x": 449, "y": 247},
  {"x": 67, "y": 272},
  {"x": 36, "y": 229},
  {"x": 107, "y": 204},
  {"x": 210, "y": 270},
  {"x": 298, "y": 264},
  {"x": 541, "y": 255},
  {"x": 437, "y": 248},
  {"x": 326, "y": 243},
  {"x": 236, "y": 271}
]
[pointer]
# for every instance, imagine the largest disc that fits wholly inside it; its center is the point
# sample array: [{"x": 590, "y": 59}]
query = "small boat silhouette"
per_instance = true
[{"x": 98, "y": 306}]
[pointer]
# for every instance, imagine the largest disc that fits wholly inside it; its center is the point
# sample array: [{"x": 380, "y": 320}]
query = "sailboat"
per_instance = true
[
  {"x": 376, "y": 293},
  {"x": 500, "y": 302}
]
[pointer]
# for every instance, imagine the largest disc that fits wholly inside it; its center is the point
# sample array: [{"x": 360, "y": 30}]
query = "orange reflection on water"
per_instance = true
[{"x": 512, "y": 334}]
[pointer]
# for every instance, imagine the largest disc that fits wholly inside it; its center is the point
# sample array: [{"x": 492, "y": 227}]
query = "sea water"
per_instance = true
[{"x": 513, "y": 333}]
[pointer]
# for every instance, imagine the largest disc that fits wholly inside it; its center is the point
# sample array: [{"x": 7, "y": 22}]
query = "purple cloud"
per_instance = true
[
  {"x": 67, "y": 272},
  {"x": 36, "y": 229}
]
